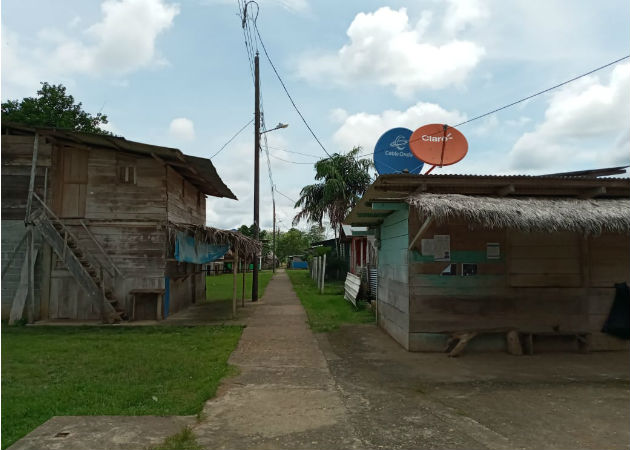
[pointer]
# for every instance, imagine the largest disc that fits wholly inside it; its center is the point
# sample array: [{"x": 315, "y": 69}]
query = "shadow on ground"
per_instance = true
[{"x": 399, "y": 399}]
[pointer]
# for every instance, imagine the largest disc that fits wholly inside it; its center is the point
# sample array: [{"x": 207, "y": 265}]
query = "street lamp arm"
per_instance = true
[{"x": 280, "y": 125}]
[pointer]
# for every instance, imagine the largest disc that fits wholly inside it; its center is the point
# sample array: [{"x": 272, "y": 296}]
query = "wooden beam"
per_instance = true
[
  {"x": 380, "y": 214},
  {"x": 421, "y": 189},
  {"x": 186, "y": 163},
  {"x": 234, "y": 277},
  {"x": 384, "y": 206},
  {"x": 506, "y": 190},
  {"x": 421, "y": 231},
  {"x": 177, "y": 164},
  {"x": 593, "y": 192},
  {"x": 158, "y": 159},
  {"x": 243, "y": 290},
  {"x": 31, "y": 184},
  {"x": 6, "y": 266}
]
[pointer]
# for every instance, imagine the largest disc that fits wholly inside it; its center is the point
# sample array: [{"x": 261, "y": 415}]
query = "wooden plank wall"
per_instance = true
[
  {"x": 12, "y": 233},
  {"x": 137, "y": 249},
  {"x": 17, "y": 155},
  {"x": 545, "y": 259},
  {"x": 608, "y": 263},
  {"x": 127, "y": 220},
  {"x": 109, "y": 199},
  {"x": 185, "y": 203},
  {"x": 541, "y": 282},
  {"x": 393, "y": 287}
]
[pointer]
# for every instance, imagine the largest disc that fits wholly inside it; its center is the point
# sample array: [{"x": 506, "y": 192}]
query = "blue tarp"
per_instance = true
[
  {"x": 299, "y": 265},
  {"x": 191, "y": 251}
]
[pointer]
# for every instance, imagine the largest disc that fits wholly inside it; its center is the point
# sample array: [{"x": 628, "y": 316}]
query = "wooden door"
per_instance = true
[{"x": 73, "y": 183}]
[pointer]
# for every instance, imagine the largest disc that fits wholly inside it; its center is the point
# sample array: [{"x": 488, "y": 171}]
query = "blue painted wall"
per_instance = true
[{"x": 393, "y": 270}]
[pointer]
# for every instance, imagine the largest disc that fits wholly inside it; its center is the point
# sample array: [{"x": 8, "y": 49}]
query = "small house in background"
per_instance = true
[
  {"x": 297, "y": 262},
  {"x": 359, "y": 246},
  {"x": 116, "y": 229},
  {"x": 462, "y": 257}
]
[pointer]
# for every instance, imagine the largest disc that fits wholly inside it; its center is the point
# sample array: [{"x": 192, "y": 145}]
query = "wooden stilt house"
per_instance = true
[
  {"x": 484, "y": 257},
  {"x": 99, "y": 227}
]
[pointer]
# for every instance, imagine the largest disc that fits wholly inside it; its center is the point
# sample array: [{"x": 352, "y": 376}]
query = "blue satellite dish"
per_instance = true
[{"x": 393, "y": 155}]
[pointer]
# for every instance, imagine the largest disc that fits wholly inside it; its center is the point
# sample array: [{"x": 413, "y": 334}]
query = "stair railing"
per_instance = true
[
  {"x": 100, "y": 247},
  {"x": 66, "y": 233}
]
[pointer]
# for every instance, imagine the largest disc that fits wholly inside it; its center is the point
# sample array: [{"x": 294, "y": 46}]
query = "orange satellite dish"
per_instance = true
[{"x": 438, "y": 144}]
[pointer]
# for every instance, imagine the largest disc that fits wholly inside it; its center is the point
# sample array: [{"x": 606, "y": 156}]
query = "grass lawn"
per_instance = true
[
  {"x": 328, "y": 310},
  {"x": 219, "y": 287},
  {"x": 51, "y": 371}
]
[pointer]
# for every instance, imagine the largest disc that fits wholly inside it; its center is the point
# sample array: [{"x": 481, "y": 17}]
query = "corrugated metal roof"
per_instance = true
[{"x": 198, "y": 171}]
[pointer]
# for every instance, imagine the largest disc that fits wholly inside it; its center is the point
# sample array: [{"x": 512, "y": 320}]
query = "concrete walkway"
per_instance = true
[{"x": 284, "y": 396}]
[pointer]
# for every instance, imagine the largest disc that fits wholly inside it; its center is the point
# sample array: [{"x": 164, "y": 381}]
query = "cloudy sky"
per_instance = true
[{"x": 177, "y": 74}]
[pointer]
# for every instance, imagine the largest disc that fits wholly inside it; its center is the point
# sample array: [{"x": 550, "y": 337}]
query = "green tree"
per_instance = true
[
  {"x": 291, "y": 242},
  {"x": 342, "y": 180},
  {"x": 54, "y": 108},
  {"x": 315, "y": 234}
]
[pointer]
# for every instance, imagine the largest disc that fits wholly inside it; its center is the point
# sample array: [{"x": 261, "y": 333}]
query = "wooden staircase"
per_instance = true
[{"x": 88, "y": 272}]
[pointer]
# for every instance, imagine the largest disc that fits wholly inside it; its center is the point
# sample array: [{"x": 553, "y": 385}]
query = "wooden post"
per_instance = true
[
  {"x": 319, "y": 271},
  {"x": 361, "y": 258},
  {"x": 513, "y": 343},
  {"x": 243, "y": 290},
  {"x": 323, "y": 274},
  {"x": 234, "y": 273},
  {"x": 30, "y": 302},
  {"x": 31, "y": 184}
]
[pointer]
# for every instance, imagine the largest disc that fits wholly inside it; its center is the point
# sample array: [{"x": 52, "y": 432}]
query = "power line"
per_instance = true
[
  {"x": 292, "y": 162},
  {"x": 293, "y": 151},
  {"x": 232, "y": 138},
  {"x": 286, "y": 90},
  {"x": 286, "y": 196},
  {"x": 250, "y": 59},
  {"x": 531, "y": 96},
  {"x": 543, "y": 91}
]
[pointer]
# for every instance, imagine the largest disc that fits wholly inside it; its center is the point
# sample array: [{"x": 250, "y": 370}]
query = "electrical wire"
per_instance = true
[
  {"x": 530, "y": 96},
  {"x": 232, "y": 138},
  {"x": 542, "y": 92},
  {"x": 286, "y": 196},
  {"x": 292, "y": 162},
  {"x": 293, "y": 151},
  {"x": 287, "y": 91}
]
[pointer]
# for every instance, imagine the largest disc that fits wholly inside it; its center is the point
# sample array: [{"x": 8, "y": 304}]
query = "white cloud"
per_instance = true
[
  {"x": 297, "y": 6},
  {"x": 124, "y": 40},
  {"x": 386, "y": 49},
  {"x": 182, "y": 128},
  {"x": 364, "y": 129},
  {"x": 225, "y": 213},
  {"x": 462, "y": 13},
  {"x": 338, "y": 115},
  {"x": 582, "y": 123},
  {"x": 121, "y": 42}
]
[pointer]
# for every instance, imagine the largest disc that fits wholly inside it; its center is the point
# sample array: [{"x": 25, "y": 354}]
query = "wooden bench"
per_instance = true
[
  {"x": 158, "y": 294},
  {"x": 518, "y": 342},
  {"x": 460, "y": 339},
  {"x": 583, "y": 339}
]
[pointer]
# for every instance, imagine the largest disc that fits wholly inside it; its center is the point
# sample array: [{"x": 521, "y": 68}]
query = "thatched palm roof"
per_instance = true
[
  {"x": 244, "y": 245},
  {"x": 528, "y": 213}
]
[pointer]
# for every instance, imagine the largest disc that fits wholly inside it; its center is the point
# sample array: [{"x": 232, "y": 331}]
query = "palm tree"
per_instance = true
[{"x": 342, "y": 180}]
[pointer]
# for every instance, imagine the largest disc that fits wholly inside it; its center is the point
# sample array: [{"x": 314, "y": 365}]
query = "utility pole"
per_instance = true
[
  {"x": 256, "y": 173},
  {"x": 274, "y": 236}
]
